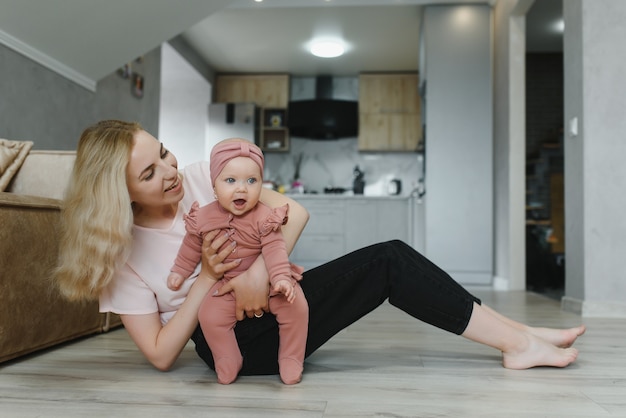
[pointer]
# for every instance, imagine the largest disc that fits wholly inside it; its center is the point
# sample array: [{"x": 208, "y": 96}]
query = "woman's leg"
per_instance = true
[{"x": 344, "y": 290}]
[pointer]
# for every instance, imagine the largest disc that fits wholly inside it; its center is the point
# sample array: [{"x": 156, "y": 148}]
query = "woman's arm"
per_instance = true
[
  {"x": 252, "y": 287},
  {"x": 162, "y": 344},
  {"x": 298, "y": 216}
]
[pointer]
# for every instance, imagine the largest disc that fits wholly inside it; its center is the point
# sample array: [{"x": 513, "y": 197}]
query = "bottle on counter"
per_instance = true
[{"x": 358, "y": 185}]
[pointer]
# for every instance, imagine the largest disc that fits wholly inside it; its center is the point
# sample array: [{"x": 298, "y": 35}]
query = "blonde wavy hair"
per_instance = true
[{"x": 97, "y": 216}]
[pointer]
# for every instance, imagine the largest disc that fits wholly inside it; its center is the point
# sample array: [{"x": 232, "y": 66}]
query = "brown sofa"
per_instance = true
[{"x": 33, "y": 316}]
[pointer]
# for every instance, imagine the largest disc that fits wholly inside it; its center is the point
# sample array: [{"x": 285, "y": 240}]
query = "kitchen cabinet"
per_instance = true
[
  {"x": 323, "y": 238},
  {"x": 339, "y": 225},
  {"x": 389, "y": 112},
  {"x": 370, "y": 221},
  {"x": 266, "y": 90},
  {"x": 270, "y": 92}
]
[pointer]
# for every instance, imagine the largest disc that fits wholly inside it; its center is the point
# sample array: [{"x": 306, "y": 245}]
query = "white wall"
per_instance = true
[
  {"x": 331, "y": 164},
  {"x": 183, "y": 115}
]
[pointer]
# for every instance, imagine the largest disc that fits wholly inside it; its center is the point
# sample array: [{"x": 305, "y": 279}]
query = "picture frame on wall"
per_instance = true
[{"x": 137, "y": 85}]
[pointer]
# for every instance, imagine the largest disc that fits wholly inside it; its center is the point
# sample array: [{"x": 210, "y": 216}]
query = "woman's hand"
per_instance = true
[
  {"x": 213, "y": 265},
  {"x": 251, "y": 290}
]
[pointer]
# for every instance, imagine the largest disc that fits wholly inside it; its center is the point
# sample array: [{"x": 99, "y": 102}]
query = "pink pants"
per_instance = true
[{"x": 218, "y": 320}]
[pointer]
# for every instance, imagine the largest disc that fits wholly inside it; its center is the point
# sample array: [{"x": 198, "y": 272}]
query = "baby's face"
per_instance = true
[{"x": 238, "y": 186}]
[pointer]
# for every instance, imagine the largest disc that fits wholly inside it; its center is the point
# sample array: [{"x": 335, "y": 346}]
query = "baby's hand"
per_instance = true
[
  {"x": 174, "y": 281},
  {"x": 286, "y": 288}
]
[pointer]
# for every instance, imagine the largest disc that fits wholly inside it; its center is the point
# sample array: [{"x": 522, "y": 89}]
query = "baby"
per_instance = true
[{"x": 237, "y": 177}]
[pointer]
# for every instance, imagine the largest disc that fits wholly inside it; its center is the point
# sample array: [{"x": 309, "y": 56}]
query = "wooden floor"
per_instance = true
[{"x": 387, "y": 365}]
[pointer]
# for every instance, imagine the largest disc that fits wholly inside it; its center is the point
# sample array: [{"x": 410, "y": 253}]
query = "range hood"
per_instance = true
[{"x": 323, "y": 117}]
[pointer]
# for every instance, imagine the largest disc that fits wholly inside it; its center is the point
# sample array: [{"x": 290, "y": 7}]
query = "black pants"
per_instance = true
[{"x": 346, "y": 289}]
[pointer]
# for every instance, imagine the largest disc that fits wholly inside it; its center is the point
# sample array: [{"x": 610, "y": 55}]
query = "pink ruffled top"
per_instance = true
[{"x": 256, "y": 232}]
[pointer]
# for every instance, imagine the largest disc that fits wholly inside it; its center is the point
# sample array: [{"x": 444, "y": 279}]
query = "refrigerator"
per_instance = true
[{"x": 228, "y": 120}]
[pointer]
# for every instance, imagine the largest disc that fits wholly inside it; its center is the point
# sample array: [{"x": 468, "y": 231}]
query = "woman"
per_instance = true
[{"x": 123, "y": 226}]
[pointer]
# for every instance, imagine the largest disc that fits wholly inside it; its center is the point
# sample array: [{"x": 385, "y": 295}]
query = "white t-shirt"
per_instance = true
[{"x": 140, "y": 286}]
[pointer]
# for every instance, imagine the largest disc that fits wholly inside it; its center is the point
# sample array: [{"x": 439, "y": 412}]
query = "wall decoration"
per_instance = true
[
  {"x": 125, "y": 71},
  {"x": 136, "y": 80},
  {"x": 137, "y": 85}
]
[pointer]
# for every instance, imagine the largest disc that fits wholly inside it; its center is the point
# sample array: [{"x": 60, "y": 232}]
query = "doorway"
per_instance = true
[{"x": 545, "y": 231}]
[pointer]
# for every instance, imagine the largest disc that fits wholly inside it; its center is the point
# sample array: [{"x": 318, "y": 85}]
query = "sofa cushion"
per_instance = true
[
  {"x": 12, "y": 155},
  {"x": 44, "y": 173}
]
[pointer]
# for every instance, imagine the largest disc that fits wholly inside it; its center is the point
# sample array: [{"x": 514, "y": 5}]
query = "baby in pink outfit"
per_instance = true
[{"x": 237, "y": 177}]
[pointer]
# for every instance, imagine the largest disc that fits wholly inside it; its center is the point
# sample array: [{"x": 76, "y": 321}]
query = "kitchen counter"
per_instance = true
[{"x": 346, "y": 196}]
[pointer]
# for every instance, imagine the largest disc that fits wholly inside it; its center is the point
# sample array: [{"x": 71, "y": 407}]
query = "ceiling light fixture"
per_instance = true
[
  {"x": 558, "y": 26},
  {"x": 327, "y": 49}
]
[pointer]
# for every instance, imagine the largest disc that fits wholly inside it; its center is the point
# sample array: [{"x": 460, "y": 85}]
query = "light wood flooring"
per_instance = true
[{"x": 386, "y": 365}]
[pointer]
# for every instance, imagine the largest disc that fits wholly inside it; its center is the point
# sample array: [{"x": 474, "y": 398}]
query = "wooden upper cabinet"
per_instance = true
[
  {"x": 389, "y": 112},
  {"x": 266, "y": 90},
  {"x": 270, "y": 92}
]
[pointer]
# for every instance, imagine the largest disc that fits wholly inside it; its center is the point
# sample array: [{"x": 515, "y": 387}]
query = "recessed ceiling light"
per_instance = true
[
  {"x": 558, "y": 26},
  {"x": 327, "y": 49}
]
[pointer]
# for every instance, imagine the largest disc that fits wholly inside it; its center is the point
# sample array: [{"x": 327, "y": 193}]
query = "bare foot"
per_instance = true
[
  {"x": 563, "y": 338},
  {"x": 538, "y": 352}
]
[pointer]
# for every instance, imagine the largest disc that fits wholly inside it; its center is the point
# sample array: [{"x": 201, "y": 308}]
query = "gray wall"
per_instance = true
[
  {"x": 459, "y": 141},
  {"x": 595, "y": 174},
  {"x": 115, "y": 101},
  {"x": 39, "y": 105}
]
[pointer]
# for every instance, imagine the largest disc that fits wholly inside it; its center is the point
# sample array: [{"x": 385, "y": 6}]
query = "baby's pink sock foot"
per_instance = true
[
  {"x": 290, "y": 371},
  {"x": 227, "y": 369}
]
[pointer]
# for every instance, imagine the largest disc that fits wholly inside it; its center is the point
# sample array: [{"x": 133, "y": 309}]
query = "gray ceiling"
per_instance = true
[
  {"x": 88, "y": 39},
  {"x": 274, "y": 39},
  {"x": 383, "y": 35}
]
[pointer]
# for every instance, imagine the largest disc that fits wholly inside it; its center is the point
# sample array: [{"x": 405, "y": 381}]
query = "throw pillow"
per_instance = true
[{"x": 12, "y": 155}]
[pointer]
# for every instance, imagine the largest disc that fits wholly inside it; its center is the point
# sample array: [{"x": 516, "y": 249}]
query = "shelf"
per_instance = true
[
  {"x": 540, "y": 222},
  {"x": 273, "y": 131},
  {"x": 275, "y": 139}
]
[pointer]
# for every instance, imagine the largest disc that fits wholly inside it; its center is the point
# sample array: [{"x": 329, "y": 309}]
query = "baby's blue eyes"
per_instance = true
[{"x": 231, "y": 180}]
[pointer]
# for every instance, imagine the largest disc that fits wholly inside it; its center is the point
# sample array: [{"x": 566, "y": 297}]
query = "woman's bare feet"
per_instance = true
[
  {"x": 562, "y": 338},
  {"x": 559, "y": 337},
  {"x": 538, "y": 352},
  {"x": 522, "y": 346}
]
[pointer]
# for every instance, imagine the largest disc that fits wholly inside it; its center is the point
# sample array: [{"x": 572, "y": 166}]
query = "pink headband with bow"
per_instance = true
[{"x": 225, "y": 151}]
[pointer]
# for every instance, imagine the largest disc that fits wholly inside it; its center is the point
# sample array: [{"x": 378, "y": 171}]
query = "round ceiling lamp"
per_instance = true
[{"x": 327, "y": 49}]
